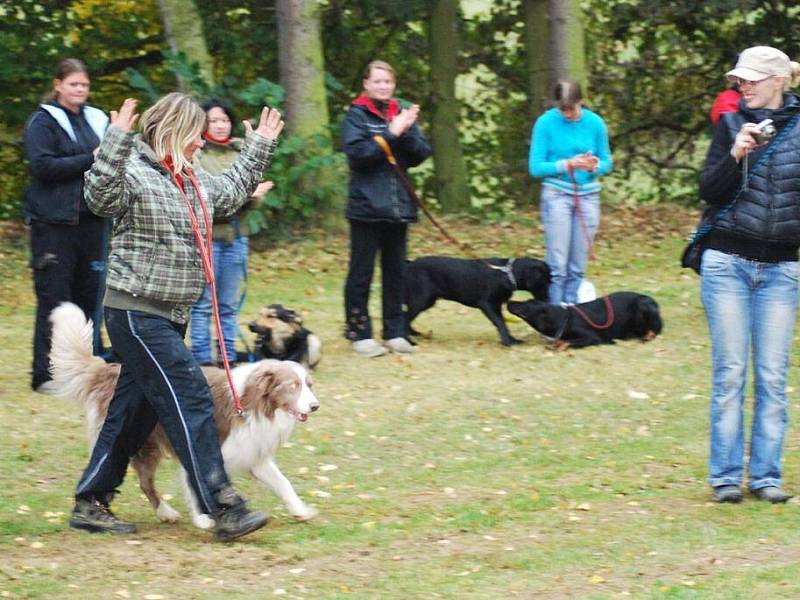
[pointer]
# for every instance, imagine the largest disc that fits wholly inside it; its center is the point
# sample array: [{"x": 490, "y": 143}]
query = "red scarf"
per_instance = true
[
  {"x": 391, "y": 111},
  {"x": 169, "y": 164},
  {"x": 214, "y": 140}
]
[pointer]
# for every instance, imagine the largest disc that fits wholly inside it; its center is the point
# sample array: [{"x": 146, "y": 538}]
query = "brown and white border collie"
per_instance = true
[{"x": 275, "y": 395}]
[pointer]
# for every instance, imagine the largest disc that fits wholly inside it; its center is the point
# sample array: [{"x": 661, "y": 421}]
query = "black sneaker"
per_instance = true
[
  {"x": 234, "y": 519},
  {"x": 96, "y": 517}
]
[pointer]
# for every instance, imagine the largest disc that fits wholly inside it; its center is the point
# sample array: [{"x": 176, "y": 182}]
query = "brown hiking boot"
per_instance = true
[{"x": 96, "y": 517}]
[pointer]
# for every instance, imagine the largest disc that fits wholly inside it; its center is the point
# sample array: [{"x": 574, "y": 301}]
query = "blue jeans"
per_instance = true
[
  {"x": 159, "y": 381},
  {"x": 230, "y": 268},
  {"x": 748, "y": 303},
  {"x": 566, "y": 239}
]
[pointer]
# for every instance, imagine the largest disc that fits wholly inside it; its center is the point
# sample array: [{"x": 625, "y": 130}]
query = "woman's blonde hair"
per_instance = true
[
  {"x": 379, "y": 64},
  {"x": 794, "y": 78},
  {"x": 170, "y": 125}
]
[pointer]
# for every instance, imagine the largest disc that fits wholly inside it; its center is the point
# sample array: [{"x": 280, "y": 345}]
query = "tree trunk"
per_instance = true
[
  {"x": 568, "y": 57},
  {"x": 302, "y": 69},
  {"x": 183, "y": 29},
  {"x": 537, "y": 49},
  {"x": 539, "y": 75},
  {"x": 450, "y": 173},
  {"x": 302, "y": 75}
]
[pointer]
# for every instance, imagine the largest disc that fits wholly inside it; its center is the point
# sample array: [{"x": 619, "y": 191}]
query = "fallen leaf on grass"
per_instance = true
[{"x": 596, "y": 579}]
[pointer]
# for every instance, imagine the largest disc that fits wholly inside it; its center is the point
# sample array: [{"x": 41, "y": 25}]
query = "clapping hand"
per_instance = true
[
  {"x": 270, "y": 124},
  {"x": 263, "y": 188},
  {"x": 125, "y": 119},
  {"x": 403, "y": 121}
]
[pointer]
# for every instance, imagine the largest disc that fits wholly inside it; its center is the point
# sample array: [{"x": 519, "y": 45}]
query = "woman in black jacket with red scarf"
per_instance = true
[{"x": 379, "y": 208}]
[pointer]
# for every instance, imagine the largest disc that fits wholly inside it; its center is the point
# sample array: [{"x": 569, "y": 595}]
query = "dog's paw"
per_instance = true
[
  {"x": 203, "y": 522},
  {"x": 167, "y": 514},
  {"x": 306, "y": 514}
]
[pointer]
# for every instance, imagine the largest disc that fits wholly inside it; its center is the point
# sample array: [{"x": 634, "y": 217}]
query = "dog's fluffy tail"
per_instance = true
[{"x": 71, "y": 358}]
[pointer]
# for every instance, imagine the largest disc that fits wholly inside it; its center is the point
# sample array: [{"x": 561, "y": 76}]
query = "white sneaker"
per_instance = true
[
  {"x": 369, "y": 348},
  {"x": 399, "y": 345}
]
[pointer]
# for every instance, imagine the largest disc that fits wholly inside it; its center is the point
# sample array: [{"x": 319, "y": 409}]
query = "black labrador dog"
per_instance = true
[
  {"x": 481, "y": 283},
  {"x": 618, "y": 316}
]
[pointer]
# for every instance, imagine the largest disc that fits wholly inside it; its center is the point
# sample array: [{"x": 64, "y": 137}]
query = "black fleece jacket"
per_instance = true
[
  {"x": 57, "y": 164},
  {"x": 764, "y": 224}
]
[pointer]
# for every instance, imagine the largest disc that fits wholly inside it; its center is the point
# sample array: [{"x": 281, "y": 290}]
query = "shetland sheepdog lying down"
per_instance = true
[{"x": 275, "y": 395}]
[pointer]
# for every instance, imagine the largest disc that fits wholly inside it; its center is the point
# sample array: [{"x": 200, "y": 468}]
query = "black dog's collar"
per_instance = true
[
  {"x": 507, "y": 269},
  {"x": 563, "y": 327}
]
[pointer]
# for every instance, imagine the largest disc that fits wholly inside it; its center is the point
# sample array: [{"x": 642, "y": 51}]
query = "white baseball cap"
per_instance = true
[{"x": 759, "y": 62}]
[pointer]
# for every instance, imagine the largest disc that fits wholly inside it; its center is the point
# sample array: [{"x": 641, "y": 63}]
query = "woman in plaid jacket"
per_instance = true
[{"x": 162, "y": 210}]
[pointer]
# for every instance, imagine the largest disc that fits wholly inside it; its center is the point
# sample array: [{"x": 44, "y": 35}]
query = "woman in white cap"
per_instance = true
[{"x": 751, "y": 183}]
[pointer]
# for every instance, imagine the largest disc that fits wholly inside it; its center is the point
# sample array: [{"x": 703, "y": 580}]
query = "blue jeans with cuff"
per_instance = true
[
  {"x": 750, "y": 306},
  {"x": 566, "y": 239}
]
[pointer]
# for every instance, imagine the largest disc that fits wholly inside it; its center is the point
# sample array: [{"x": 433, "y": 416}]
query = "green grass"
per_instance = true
[{"x": 468, "y": 470}]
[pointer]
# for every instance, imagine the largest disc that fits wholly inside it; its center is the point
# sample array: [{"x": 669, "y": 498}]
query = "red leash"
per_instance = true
[
  {"x": 609, "y": 315},
  {"x": 579, "y": 212},
  {"x": 207, "y": 259}
]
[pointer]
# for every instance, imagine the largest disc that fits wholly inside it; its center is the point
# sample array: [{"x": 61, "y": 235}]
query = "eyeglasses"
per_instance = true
[{"x": 743, "y": 82}]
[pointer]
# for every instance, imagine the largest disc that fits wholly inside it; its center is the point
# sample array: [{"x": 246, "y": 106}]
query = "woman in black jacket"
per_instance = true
[
  {"x": 749, "y": 271},
  {"x": 379, "y": 209},
  {"x": 67, "y": 246}
]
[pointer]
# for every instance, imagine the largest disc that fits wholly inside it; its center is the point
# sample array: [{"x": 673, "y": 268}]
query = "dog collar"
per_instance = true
[
  {"x": 563, "y": 327},
  {"x": 507, "y": 269}
]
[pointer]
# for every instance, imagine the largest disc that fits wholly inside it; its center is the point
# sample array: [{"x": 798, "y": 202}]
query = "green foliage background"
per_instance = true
[{"x": 654, "y": 70}]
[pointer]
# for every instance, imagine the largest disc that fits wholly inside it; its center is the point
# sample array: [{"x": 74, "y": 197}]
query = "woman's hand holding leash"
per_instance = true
[
  {"x": 270, "y": 124},
  {"x": 583, "y": 162},
  {"x": 125, "y": 119}
]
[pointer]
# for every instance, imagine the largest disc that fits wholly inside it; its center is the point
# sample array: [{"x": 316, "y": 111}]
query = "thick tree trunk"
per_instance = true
[
  {"x": 537, "y": 50},
  {"x": 183, "y": 29},
  {"x": 539, "y": 75},
  {"x": 302, "y": 75},
  {"x": 568, "y": 57},
  {"x": 302, "y": 70},
  {"x": 450, "y": 173}
]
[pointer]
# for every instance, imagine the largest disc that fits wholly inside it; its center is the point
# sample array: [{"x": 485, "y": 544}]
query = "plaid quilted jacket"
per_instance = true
[{"x": 153, "y": 254}]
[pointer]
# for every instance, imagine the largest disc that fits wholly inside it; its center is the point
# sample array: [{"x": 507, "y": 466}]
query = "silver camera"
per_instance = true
[{"x": 765, "y": 131}]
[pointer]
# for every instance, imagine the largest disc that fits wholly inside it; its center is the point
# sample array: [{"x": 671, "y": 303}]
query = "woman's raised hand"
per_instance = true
[
  {"x": 270, "y": 124},
  {"x": 125, "y": 119}
]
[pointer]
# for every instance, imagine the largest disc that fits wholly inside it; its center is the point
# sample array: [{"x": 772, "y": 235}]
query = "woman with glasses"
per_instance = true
[{"x": 749, "y": 271}]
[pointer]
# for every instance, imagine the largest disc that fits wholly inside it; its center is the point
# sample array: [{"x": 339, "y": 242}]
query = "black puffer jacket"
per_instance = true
[
  {"x": 375, "y": 192},
  {"x": 764, "y": 224}
]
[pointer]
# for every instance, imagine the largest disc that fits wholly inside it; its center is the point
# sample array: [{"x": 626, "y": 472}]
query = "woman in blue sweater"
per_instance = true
[{"x": 569, "y": 150}]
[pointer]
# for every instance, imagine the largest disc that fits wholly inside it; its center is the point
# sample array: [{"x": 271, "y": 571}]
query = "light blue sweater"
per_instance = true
[{"x": 555, "y": 139}]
